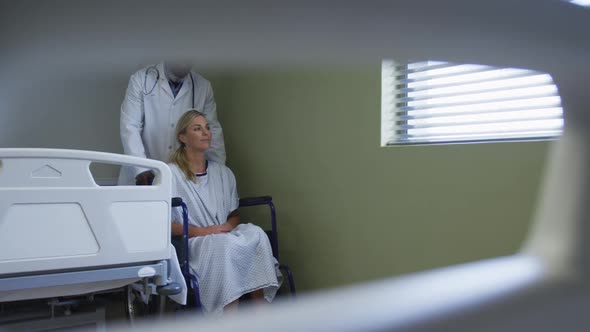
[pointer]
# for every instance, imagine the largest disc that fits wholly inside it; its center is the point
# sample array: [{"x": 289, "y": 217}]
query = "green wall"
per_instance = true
[{"x": 350, "y": 210}]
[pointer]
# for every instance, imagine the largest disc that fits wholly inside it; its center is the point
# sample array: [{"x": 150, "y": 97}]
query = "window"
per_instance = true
[
  {"x": 441, "y": 102},
  {"x": 583, "y": 3}
]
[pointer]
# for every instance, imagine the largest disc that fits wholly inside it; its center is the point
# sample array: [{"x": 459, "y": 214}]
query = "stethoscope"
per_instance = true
[{"x": 155, "y": 68}]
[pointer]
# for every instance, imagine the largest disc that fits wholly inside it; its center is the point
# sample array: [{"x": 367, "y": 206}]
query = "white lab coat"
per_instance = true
[{"x": 148, "y": 118}]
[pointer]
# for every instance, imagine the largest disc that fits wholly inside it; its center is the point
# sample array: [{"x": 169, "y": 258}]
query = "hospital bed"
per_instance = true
[{"x": 62, "y": 234}]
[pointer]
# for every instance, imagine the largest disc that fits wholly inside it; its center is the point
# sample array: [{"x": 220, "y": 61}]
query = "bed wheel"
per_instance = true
[{"x": 135, "y": 308}]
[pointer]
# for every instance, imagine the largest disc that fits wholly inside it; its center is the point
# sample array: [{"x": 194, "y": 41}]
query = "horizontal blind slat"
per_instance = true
[
  {"x": 478, "y": 139},
  {"x": 530, "y": 125},
  {"x": 526, "y": 82},
  {"x": 407, "y": 126},
  {"x": 490, "y": 75},
  {"x": 416, "y": 115},
  {"x": 472, "y": 104},
  {"x": 482, "y": 136},
  {"x": 507, "y": 94}
]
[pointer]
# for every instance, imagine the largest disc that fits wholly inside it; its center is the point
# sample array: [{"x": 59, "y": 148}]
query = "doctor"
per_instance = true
[{"x": 156, "y": 97}]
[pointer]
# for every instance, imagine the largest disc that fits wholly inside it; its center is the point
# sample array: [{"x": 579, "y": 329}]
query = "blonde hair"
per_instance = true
[{"x": 179, "y": 155}]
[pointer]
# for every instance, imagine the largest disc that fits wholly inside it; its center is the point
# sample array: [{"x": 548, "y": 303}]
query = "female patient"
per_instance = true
[{"x": 230, "y": 259}]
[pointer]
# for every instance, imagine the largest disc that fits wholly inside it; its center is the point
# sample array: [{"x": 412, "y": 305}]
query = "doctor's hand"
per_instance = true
[{"x": 145, "y": 179}]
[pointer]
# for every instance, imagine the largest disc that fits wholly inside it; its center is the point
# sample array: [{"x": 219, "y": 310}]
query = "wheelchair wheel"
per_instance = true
[{"x": 135, "y": 308}]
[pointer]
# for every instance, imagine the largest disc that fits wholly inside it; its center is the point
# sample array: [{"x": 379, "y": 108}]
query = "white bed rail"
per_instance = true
[{"x": 53, "y": 216}]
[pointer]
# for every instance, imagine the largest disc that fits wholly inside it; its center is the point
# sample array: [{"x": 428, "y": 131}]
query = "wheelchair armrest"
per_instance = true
[
  {"x": 252, "y": 201},
  {"x": 266, "y": 200}
]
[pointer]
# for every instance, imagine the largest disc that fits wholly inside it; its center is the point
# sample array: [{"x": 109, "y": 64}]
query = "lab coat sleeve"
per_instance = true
[
  {"x": 132, "y": 121},
  {"x": 217, "y": 150}
]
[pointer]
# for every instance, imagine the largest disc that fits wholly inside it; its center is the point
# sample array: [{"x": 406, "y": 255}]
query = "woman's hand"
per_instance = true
[
  {"x": 226, "y": 228},
  {"x": 219, "y": 229},
  {"x": 194, "y": 231}
]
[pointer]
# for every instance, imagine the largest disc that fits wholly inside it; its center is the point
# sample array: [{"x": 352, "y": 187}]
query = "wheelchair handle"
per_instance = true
[{"x": 176, "y": 201}]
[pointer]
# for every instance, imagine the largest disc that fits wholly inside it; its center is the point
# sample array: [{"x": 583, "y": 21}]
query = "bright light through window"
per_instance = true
[
  {"x": 439, "y": 102},
  {"x": 585, "y": 3}
]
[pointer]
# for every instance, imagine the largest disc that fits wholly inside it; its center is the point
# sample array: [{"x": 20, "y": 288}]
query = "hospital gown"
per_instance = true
[{"x": 227, "y": 265}]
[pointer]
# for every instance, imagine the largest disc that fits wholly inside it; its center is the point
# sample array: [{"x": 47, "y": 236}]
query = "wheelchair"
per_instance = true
[{"x": 182, "y": 249}]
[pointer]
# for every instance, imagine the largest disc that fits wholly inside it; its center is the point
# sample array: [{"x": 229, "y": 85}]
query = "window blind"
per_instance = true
[{"x": 441, "y": 102}]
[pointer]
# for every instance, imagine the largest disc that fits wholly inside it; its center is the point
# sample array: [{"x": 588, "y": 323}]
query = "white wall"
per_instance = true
[{"x": 80, "y": 113}]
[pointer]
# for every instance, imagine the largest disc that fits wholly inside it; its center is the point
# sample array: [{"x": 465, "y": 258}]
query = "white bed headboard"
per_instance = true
[{"x": 54, "y": 216}]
